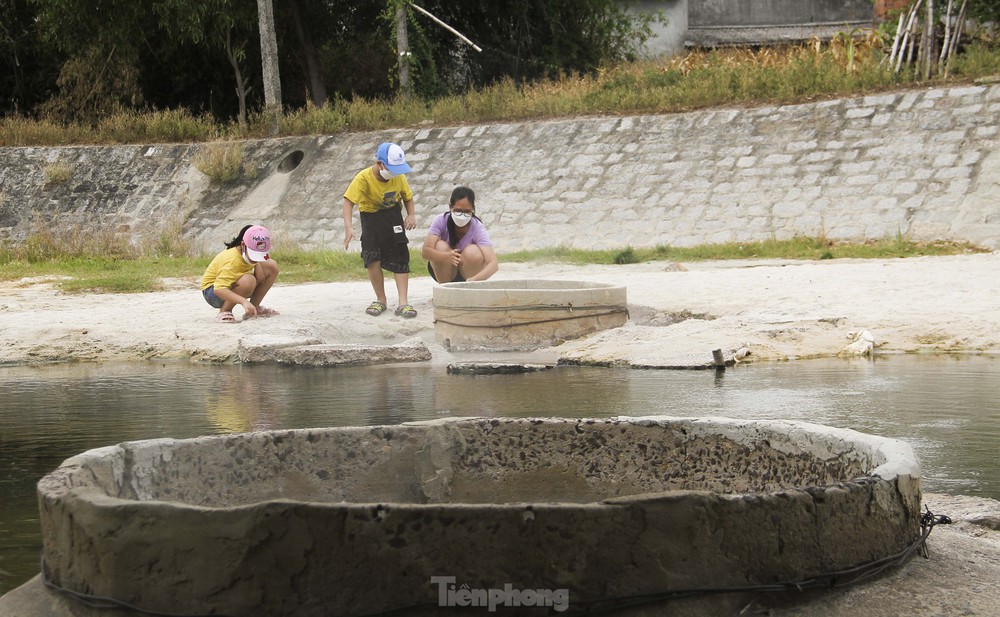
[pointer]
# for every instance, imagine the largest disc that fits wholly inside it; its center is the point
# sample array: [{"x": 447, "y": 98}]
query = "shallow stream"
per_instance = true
[{"x": 946, "y": 407}]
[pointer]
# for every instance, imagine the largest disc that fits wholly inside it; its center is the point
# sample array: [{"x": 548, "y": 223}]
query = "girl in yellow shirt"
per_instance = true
[{"x": 242, "y": 274}]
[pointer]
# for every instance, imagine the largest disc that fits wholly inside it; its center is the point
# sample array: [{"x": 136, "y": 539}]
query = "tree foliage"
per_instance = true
[
  {"x": 27, "y": 69},
  {"x": 529, "y": 39},
  {"x": 985, "y": 11},
  {"x": 85, "y": 59}
]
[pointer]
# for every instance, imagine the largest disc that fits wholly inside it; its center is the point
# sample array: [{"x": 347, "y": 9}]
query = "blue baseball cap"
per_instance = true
[{"x": 393, "y": 157}]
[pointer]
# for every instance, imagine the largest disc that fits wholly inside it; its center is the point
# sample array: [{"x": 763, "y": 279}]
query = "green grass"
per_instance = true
[
  {"x": 148, "y": 273},
  {"x": 109, "y": 275},
  {"x": 798, "y": 248}
]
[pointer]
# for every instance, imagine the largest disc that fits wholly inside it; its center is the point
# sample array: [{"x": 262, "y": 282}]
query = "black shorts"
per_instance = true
[
  {"x": 383, "y": 239},
  {"x": 458, "y": 274}
]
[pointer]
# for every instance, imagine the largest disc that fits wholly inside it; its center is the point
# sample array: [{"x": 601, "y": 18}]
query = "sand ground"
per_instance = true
[{"x": 679, "y": 313}]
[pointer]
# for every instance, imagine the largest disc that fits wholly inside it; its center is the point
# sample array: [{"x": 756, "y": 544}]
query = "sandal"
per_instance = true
[
  {"x": 376, "y": 308},
  {"x": 406, "y": 311},
  {"x": 225, "y": 317}
]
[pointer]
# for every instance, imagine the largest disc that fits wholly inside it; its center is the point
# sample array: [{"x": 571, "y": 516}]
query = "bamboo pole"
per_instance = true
[
  {"x": 907, "y": 44},
  {"x": 956, "y": 37},
  {"x": 896, "y": 39},
  {"x": 946, "y": 41},
  {"x": 928, "y": 40},
  {"x": 912, "y": 33},
  {"x": 447, "y": 27}
]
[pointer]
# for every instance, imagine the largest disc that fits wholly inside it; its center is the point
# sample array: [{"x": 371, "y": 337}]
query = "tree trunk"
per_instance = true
[
  {"x": 929, "y": 41},
  {"x": 241, "y": 82},
  {"x": 317, "y": 86},
  {"x": 403, "y": 48},
  {"x": 269, "y": 62}
]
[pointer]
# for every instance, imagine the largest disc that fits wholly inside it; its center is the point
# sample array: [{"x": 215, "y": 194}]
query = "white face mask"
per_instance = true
[
  {"x": 461, "y": 218},
  {"x": 245, "y": 258},
  {"x": 386, "y": 174}
]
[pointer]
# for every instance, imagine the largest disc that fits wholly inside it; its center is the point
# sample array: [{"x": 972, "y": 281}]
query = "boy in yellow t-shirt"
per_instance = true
[{"x": 380, "y": 192}]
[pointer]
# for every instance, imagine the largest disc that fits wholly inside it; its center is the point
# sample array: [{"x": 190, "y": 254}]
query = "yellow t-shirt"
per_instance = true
[
  {"x": 227, "y": 268},
  {"x": 371, "y": 195}
]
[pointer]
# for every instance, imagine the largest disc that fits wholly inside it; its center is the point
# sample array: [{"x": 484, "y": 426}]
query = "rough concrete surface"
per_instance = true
[
  {"x": 959, "y": 577},
  {"x": 260, "y": 523}
]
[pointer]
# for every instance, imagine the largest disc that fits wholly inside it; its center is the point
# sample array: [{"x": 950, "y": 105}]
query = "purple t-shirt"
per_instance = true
[{"x": 476, "y": 234}]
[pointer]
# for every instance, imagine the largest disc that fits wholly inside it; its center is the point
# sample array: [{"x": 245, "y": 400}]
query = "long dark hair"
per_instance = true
[
  {"x": 239, "y": 237},
  {"x": 460, "y": 193}
]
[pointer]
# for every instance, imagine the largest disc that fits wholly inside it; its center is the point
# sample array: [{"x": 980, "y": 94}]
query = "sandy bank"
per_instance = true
[{"x": 679, "y": 313}]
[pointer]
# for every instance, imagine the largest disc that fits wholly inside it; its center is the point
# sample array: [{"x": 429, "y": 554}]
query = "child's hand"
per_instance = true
[{"x": 250, "y": 310}]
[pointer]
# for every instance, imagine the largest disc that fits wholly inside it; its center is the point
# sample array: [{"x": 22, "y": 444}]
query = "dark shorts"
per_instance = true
[
  {"x": 209, "y": 294},
  {"x": 458, "y": 274},
  {"x": 383, "y": 239}
]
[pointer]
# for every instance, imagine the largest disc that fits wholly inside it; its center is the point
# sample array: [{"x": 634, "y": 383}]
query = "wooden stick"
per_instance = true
[
  {"x": 447, "y": 27},
  {"x": 720, "y": 361},
  {"x": 911, "y": 33},
  {"x": 927, "y": 41},
  {"x": 896, "y": 39},
  {"x": 907, "y": 38},
  {"x": 956, "y": 39},
  {"x": 946, "y": 42}
]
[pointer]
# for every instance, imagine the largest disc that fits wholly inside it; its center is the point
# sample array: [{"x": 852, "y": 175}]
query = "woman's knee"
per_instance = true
[{"x": 473, "y": 255}]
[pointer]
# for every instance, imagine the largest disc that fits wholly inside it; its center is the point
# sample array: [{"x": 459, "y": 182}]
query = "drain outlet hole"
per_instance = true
[{"x": 291, "y": 161}]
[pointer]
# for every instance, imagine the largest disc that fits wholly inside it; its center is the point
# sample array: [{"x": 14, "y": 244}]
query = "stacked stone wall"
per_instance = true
[{"x": 921, "y": 165}]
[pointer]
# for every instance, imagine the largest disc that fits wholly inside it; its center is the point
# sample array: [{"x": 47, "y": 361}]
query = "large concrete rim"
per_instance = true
[{"x": 256, "y": 557}]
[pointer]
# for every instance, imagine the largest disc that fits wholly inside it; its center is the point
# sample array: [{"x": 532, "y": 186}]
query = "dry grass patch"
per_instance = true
[{"x": 221, "y": 161}]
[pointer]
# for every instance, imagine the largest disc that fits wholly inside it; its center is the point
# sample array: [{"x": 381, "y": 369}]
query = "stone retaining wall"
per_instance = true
[{"x": 919, "y": 164}]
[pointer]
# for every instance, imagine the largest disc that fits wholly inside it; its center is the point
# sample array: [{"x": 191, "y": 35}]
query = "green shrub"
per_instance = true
[{"x": 626, "y": 256}]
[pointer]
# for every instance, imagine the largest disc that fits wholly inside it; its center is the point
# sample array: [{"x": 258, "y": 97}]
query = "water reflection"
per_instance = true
[
  {"x": 945, "y": 407},
  {"x": 242, "y": 403}
]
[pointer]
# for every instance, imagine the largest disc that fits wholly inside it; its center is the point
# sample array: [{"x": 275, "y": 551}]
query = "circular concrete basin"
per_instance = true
[
  {"x": 524, "y": 314},
  {"x": 356, "y": 521}
]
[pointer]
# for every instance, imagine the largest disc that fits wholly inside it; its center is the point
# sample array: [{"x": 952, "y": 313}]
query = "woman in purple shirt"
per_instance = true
[{"x": 457, "y": 247}]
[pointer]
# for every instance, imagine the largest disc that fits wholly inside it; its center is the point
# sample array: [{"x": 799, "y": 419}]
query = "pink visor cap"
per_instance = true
[{"x": 258, "y": 242}]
